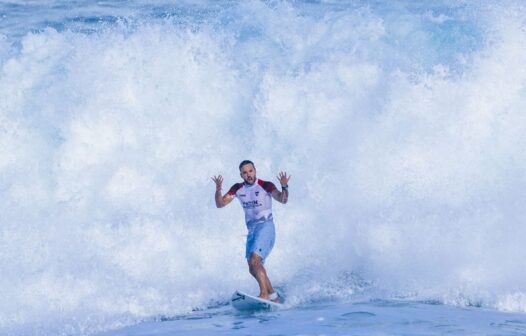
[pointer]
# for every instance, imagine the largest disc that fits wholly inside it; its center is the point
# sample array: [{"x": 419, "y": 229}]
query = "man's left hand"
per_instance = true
[{"x": 283, "y": 178}]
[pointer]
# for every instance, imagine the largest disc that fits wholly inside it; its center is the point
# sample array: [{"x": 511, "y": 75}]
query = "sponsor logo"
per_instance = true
[
  {"x": 251, "y": 204},
  {"x": 257, "y": 193}
]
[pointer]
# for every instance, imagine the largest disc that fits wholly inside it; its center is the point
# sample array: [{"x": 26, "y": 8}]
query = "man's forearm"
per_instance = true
[
  {"x": 284, "y": 195},
  {"x": 219, "y": 199}
]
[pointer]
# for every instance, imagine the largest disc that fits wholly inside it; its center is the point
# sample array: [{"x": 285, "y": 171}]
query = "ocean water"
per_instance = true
[
  {"x": 402, "y": 123},
  {"x": 372, "y": 317}
]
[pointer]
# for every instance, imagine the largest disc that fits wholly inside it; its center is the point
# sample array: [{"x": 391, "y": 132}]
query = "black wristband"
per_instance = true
[{"x": 286, "y": 186}]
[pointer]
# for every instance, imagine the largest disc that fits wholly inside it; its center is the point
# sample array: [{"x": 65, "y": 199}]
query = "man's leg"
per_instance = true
[{"x": 258, "y": 271}]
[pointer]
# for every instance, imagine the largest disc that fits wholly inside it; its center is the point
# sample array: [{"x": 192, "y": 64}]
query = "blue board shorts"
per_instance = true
[{"x": 260, "y": 239}]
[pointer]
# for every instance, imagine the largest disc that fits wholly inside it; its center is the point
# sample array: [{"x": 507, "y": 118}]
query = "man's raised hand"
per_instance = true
[
  {"x": 283, "y": 178},
  {"x": 218, "y": 181}
]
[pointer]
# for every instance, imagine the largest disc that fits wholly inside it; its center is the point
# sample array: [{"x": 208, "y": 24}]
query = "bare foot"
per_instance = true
[{"x": 264, "y": 297}]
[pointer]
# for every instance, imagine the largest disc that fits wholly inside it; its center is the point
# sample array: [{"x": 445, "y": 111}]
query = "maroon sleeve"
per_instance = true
[
  {"x": 268, "y": 186},
  {"x": 234, "y": 189}
]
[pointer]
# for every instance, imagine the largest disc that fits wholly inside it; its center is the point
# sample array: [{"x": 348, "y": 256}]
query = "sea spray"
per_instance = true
[{"x": 402, "y": 127}]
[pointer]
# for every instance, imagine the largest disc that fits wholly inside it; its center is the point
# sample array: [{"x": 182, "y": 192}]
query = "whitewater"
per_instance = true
[{"x": 402, "y": 123}]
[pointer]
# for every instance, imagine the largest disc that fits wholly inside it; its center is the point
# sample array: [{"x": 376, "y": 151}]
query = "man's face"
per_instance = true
[{"x": 248, "y": 173}]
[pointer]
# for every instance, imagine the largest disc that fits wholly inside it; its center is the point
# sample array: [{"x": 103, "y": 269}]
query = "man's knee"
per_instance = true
[{"x": 254, "y": 262}]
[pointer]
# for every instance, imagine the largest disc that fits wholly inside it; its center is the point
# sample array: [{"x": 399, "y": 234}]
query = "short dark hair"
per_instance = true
[{"x": 245, "y": 162}]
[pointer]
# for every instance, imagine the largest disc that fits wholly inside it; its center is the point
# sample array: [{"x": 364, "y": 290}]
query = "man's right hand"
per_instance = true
[
  {"x": 218, "y": 181},
  {"x": 221, "y": 201}
]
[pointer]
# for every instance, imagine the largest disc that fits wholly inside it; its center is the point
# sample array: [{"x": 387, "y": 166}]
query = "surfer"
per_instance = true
[{"x": 255, "y": 197}]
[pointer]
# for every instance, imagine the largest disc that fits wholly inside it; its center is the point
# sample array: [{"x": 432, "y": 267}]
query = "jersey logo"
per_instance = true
[{"x": 251, "y": 204}]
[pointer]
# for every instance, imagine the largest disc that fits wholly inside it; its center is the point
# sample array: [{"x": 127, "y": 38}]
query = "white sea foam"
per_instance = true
[{"x": 403, "y": 128}]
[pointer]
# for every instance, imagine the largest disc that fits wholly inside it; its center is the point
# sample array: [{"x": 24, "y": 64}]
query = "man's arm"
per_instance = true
[
  {"x": 221, "y": 201},
  {"x": 283, "y": 195}
]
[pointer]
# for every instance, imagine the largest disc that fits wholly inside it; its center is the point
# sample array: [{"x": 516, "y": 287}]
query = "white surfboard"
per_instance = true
[{"x": 246, "y": 302}]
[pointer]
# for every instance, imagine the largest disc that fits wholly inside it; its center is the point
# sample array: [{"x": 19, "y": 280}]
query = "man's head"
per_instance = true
[{"x": 247, "y": 170}]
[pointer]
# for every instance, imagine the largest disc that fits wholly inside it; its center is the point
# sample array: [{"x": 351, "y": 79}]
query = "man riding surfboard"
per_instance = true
[{"x": 255, "y": 196}]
